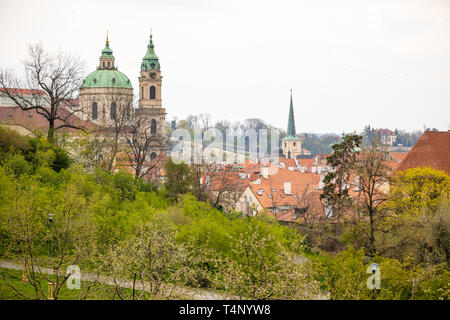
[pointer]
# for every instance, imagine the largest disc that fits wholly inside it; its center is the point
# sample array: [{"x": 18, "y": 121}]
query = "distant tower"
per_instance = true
[
  {"x": 150, "y": 104},
  {"x": 291, "y": 144}
]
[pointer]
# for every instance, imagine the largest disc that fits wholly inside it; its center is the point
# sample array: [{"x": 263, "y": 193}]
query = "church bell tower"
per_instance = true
[{"x": 150, "y": 107}]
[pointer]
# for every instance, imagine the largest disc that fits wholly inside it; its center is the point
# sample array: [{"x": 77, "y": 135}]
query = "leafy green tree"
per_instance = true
[
  {"x": 419, "y": 216},
  {"x": 337, "y": 182},
  {"x": 178, "y": 178}
]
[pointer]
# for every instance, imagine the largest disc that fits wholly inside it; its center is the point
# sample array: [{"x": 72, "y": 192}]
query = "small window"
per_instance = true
[
  {"x": 128, "y": 112},
  {"x": 95, "y": 80},
  {"x": 142, "y": 92},
  {"x": 94, "y": 111},
  {"x": 152, "y": 65},
  {"x": 153, "y": 155},
  {"x": 153, "y": 126},
  {"x": 152, "y": 92},
  {"x": 113, "y": 80},
  {"x": 113, "y": 111},
  {"x": 294, "y": 144}
]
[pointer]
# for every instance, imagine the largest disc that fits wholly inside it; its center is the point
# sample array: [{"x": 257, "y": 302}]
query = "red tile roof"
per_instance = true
[
  {"x": 33, "y": 121},
  {"x": 431, "y": 150},
  {"x": 23, "y": 91},
  {"x": 398, "y": 156},
  {"x": 308, "y": 163},
  {"x": 300, "y": 182}
]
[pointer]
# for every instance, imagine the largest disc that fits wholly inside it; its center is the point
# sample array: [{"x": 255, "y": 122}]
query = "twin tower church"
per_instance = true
[{"x": 107, "y": 94}]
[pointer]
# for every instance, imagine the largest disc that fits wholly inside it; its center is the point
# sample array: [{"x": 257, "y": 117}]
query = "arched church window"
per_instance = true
[
  {"x": 152, "y": 92},
  {"x": 153, "y": 126},
  {"x": 142, "y": 93},
  {"x": 128, "y": 112},
  {"x": 108, "y": 64},
  {"x": 153, "y": 155},
  {"x": 113, "y": 111},
  {"x": 94, "y": 111}
]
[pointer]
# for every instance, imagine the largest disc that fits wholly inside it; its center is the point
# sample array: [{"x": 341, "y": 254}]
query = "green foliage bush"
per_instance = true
[{"x": 214, "y": 246}]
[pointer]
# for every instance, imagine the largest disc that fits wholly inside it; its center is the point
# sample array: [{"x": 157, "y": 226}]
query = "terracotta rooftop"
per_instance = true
[
  {"x": 33, "y": 121},
  {"x": 398, "y": 156},
  {"x": 23, "y": 91},
  {"x": 431, "y": 150},
  {"x": 270, "y": 192}
]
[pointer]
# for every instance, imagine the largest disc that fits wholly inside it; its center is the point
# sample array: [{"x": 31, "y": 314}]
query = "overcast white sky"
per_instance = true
[{"x": 349, "y": 62}]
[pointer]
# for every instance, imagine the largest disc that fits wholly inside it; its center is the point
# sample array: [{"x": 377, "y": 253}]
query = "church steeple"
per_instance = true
[
  {"x": 291, "y": 144},
  {"x": 150, "y": 60},
  {"x": 107, "y": 58},
  {"x": 291, "y": 121}
]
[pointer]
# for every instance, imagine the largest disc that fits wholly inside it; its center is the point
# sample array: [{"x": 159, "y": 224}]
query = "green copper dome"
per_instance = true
[
  {"x": 106, "y": 79},
  {"x": 106, "y": 75}
]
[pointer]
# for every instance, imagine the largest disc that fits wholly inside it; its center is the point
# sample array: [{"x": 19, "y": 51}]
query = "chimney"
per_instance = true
[
  {"x": 265, "y": 172},
  {"x": 321, "y": 183},
  {"x": 287, "y": 188}
]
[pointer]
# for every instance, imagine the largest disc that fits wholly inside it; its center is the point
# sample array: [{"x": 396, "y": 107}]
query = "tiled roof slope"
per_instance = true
[
  {"x": 32, "y": 120},
  {"x": 431, "y": 150}
]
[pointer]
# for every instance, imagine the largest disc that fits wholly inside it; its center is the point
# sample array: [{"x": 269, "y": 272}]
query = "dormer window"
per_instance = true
[
  {"x": 95, "y": 80},
  {"x": 113, "y": 79}
]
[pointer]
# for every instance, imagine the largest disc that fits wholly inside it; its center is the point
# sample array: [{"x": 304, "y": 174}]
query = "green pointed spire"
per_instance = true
[
  {"x": 107, "y": 52},
  {"x": 150, "y": 60},
  {"x": 290, "y": 134},
  {"x": 291, "y": 121}
]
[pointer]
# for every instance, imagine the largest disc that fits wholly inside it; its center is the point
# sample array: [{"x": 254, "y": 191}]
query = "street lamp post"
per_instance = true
[
  {"x": 50, "y": 219},
  {"x": 51, "y": 285}
]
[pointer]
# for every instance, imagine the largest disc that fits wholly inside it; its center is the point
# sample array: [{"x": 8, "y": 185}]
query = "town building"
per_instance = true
[{"x": 34, "y": 123}]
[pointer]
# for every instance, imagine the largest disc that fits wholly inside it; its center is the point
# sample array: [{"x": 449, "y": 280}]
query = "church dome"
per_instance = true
[
  {"x": 106, "y": 75},
  {"x": 106, "y": 78}
]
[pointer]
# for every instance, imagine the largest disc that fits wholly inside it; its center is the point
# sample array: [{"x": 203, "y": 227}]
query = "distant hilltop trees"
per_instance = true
[{"x": 392, "y": 138}]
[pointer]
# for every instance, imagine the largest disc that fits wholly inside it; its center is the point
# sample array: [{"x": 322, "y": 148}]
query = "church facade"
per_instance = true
[{"x": 106, "y": 95}]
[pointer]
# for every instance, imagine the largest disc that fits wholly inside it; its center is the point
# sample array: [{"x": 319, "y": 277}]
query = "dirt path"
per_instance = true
[{"x": 192, "y": 293}]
